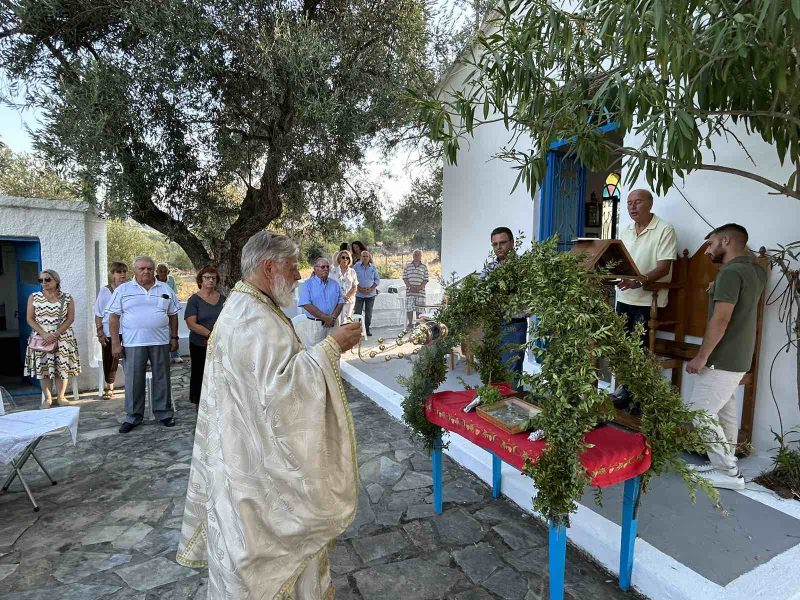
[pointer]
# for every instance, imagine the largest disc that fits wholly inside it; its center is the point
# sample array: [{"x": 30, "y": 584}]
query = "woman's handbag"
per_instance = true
[{"x": 36, "y": 342}]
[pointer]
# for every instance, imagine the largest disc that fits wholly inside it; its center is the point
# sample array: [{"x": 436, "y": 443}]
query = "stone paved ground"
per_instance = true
[{"x": 110, "y": 527}]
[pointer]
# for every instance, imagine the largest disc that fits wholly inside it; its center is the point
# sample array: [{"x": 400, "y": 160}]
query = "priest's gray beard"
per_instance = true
[{"x": 283, "y": 291}]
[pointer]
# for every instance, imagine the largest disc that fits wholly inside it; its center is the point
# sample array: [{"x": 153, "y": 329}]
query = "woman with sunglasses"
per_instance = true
[
  {"x": 342, "y": 272},
  {"x": 51, "y": 313}
]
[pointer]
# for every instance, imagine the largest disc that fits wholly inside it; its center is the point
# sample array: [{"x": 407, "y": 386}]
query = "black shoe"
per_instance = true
[
  {"x": 126, "y": 427},
  {"x": 369, "y": 333},
  {"x": 168, "y": 422}
]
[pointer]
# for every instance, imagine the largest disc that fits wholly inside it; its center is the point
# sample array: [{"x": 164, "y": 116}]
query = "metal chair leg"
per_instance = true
[{"x": 41, "y": 466}]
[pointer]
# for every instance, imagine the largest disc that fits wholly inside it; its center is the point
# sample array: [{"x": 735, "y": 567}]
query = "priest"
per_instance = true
[{"x": 274, "y": 474}]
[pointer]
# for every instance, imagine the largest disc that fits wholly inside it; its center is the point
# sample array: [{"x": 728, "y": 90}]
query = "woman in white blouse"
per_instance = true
[
  {"x": 119, "y": 275},
  {"x": 345, "y": 276}
]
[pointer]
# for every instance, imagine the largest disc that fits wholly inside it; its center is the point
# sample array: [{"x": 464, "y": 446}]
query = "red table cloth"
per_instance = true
[{"x": 616, "y": 455}]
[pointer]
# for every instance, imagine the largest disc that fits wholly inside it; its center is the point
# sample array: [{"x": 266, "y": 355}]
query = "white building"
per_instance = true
[
  {"x": 66, "y": 236},
  {"x": 478, "y": 197}
]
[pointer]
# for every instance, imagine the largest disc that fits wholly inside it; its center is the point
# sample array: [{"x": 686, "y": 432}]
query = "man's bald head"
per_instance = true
[{"x": 640, "y": 207}]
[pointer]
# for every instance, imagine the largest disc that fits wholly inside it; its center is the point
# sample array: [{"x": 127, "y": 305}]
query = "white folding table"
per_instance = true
[{"x": 21, "y": 433}]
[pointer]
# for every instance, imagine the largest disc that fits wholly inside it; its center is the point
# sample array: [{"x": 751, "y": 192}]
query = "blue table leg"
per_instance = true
[
  {"x": 497, "y": 475},
  {"x": 558, "y": 558},
  {"x": 437, "y": 474},
  {"x": 629, "y": 509}
]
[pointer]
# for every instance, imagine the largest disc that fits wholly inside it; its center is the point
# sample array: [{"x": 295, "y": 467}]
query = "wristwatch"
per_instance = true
[{"x": 174, "y": 337}]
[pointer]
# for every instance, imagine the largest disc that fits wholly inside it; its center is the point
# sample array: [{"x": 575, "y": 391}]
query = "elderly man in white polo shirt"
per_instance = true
[
  {"x": 653, "y": 245},
  {"x": 147, "y": 312}
]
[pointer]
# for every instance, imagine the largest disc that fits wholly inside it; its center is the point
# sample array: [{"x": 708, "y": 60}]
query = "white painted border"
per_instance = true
[{"x": 655, "y": 574}]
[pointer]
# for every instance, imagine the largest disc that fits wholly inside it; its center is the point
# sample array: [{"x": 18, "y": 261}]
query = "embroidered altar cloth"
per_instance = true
[{"x": 614, "y": 457}]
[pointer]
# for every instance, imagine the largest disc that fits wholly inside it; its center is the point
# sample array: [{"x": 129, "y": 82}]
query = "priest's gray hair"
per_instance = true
[{"x": 264, "y": 246}]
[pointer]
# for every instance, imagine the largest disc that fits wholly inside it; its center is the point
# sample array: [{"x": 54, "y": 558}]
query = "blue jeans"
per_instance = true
[{"x": 514, "y": 333}]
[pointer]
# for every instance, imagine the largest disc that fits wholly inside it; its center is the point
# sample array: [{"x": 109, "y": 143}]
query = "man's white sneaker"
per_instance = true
[{"x": 724, "y": 481}]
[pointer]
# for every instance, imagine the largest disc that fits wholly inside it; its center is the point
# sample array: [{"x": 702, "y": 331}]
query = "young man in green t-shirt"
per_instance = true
[{"x": 727, "y": 350}]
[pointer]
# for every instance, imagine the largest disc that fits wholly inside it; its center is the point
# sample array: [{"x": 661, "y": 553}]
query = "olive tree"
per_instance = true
[{"x": 205, "y": 119}]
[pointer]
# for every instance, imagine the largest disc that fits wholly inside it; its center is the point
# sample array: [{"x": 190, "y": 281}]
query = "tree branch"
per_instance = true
[{"x": 783, "y": 189}]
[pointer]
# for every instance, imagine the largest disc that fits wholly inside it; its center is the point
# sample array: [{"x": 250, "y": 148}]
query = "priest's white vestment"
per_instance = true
[{"x": 274, "y": 476}]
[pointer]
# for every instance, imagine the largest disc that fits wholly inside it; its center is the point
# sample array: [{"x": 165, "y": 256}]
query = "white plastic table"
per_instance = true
[{"x": 21, "y": 432}]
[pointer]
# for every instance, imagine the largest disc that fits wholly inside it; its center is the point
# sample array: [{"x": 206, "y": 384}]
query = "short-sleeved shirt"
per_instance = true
[
  {"x": 657, "y": 242},
  {"x": 207, "y": 314},
  {"x": 740, "y": 282},
  {"x": 324, "y": 296},
  {"x": 367, "y": 277},
  {"x": 144, "y": 314},
  {"x": 415, "y": 275},
  {"x": 101, "y": 304}
]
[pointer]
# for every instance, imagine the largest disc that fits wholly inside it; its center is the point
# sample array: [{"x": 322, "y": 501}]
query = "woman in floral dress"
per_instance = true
[{"x": 50, "y": 314}]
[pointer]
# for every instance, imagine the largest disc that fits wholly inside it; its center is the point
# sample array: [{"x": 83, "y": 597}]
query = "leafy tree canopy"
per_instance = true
[
  {"x": 681, "y": 75},
  {"x": 419, "y": 216},
  {"x": 25, "y": 176},
  {"x": 207, "y": 119}
]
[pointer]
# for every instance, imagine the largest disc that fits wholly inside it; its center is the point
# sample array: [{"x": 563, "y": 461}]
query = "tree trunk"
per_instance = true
[{"x": 259, "y": 209}]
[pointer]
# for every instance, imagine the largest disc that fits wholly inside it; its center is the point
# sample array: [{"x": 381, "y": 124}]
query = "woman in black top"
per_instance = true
[{"x": 202, "y": 311}]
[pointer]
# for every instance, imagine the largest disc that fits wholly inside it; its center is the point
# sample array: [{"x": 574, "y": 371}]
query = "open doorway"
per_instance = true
[
  {"x": 577, "y": 202},
  {"x": 20, "y": 265}
]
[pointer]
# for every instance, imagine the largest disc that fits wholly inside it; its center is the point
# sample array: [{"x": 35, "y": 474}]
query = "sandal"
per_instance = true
[{"x": 107, "y": 395}]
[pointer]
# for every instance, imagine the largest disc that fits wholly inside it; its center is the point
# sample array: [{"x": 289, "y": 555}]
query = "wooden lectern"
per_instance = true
[{"x": 607, "y": 254}]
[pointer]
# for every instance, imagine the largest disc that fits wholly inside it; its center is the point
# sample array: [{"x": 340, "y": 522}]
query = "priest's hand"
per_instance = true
[{"x": 347, "y": 335}]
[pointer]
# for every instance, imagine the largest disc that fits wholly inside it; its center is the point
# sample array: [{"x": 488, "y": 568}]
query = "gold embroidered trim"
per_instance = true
[
  {"x": 287, "y": 589},
  {"x": 332, "y": 354},
  {"x": 182, "y": 559},
  {"x": 331, "y": 593}
]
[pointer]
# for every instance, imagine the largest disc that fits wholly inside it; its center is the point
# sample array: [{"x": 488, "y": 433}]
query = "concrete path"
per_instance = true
[{"x": 110, "y": 527}]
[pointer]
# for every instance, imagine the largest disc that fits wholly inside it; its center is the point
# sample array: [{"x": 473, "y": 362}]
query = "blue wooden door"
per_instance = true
[
  {"x": 563, "y": 199},
  {"x": 29, "y": 265}
]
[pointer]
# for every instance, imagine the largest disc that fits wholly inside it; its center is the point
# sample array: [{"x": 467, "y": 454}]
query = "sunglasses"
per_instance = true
[
  {"x": 322, "y": 267},
  {"x": 347, "y": 258},
  {"x": 45, "y": 279}
]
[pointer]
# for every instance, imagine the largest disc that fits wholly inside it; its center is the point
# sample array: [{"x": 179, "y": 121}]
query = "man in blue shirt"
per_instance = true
[
  {"x": 368, "y": 281},
  {"x": 321, "y": 300}
]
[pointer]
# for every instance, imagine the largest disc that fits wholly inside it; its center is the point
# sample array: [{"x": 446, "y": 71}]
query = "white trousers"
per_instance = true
[
  {"x": 714, "y": 392},
  {"x": 347, "y": 312},
  {"x": 316, "y": 332}
]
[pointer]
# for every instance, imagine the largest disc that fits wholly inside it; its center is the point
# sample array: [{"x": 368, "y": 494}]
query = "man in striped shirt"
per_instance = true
[{"x": 415, "y": 276}]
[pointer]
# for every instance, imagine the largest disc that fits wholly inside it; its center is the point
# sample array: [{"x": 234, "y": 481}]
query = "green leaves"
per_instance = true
[
  {"x": 679, "y": 74},
  {"x": 574, "y": 328}
]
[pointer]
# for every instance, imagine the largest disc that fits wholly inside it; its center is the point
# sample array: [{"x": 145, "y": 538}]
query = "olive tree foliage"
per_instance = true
[
  {"x": 682, "y": 75},
  {"x": 26, "y": 176},
  {"x": 206, "y": 119},
  {"x": 419, "y": 214}
]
